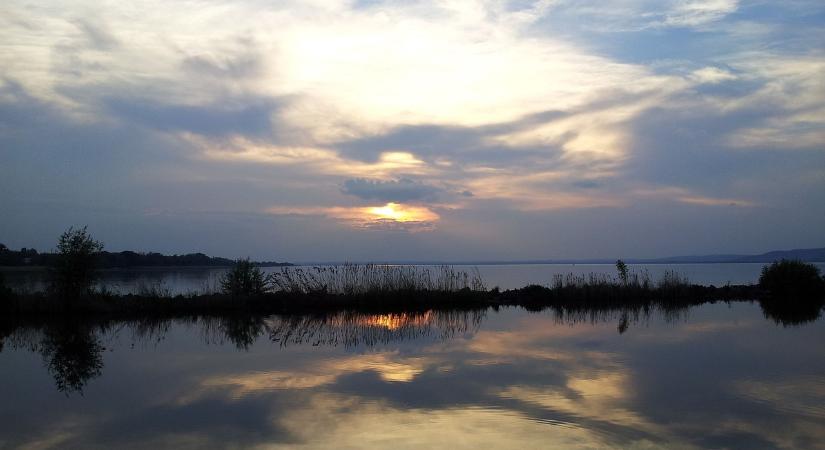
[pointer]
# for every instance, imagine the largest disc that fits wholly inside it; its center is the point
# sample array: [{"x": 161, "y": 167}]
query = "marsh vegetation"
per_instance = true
[{"x": 790, "y": 291}]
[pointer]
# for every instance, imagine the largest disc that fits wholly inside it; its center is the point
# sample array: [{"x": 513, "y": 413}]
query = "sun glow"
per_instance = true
[
  {"x": 391, "y": 216},
  {"x": 401, "y": 213}
]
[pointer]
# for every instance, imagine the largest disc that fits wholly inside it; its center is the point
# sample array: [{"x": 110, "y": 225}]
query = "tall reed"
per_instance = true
[{"x": 362, "y": 279}]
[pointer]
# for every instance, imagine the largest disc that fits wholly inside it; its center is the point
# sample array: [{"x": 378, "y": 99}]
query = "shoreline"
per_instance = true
[{"x": 533, "y": 296}]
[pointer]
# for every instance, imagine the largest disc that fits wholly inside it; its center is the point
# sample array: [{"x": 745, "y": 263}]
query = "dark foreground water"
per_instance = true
[
  {"x": 506, "y": 276},
  {"x": 716, "y": 376}
]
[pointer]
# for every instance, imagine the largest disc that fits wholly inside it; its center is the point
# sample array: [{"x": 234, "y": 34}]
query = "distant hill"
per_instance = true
[
  {"x": 126, "y": 259},
  {"x": 808, "y": 255},
  {"x": 804, "y": 254}
]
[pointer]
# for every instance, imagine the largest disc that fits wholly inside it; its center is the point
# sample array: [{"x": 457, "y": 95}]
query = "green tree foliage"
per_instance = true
[
  {"x": 244, "y": 279},
  {"x": 75, "y": 267}
]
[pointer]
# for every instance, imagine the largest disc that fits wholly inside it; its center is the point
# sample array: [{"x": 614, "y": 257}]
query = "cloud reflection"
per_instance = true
[{"x": 439, "y": 378}]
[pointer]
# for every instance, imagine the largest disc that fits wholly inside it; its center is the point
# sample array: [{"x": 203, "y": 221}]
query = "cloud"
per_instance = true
[
  {"x": 402, "y": 190},
  {"x": 99, "y": 37},
  {"x": 712, "y": 75},
  {"x": 389, "y": 217},
  {"x": 698, "y": 12},
  {"x": 249, "y": 117},
  {"x": 498, "y": 116},
  {"x": 638, "y": 15}
]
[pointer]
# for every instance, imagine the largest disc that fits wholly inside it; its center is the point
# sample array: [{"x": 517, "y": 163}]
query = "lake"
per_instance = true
[
  {"x": 714, "y": 376},
  {"x": 506, "y": 276}
]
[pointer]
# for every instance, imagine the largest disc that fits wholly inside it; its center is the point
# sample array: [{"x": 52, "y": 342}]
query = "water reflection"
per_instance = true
[
  {"x": 716, "y": 376},
  {"x": 72, "y": 348},
  {"x": 353, "y": 329},
  {"x": 788, "y": 312}
]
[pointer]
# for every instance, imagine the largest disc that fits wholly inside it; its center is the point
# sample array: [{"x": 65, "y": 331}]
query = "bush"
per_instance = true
[
  {"x": 75, "y": 268},
  {"x": 790, "y": 279},
  {"x": 244, "y": 279}
]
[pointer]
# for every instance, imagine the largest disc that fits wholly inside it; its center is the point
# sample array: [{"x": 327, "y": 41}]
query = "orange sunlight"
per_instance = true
[{"x": 401, "y": 213}]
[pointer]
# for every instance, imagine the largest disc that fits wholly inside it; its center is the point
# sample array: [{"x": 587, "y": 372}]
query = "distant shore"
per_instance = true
[{"x": 147, "y": 268}]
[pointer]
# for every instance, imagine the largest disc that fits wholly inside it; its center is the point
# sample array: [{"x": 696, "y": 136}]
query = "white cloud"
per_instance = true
[
  {"x": 712, "y": 75},
  {"x": 692, "y": 13}
]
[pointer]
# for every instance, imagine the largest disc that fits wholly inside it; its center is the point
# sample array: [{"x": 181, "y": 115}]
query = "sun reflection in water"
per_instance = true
[{"x": 396, "y": 321}]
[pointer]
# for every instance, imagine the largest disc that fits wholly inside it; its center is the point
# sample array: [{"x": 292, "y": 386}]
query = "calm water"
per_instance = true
[
  {"x": 716, "y": 376},
  {"x": 200, "y": 280}
]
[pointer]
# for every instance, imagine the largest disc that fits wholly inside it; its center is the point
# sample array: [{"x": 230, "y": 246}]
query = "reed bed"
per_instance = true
[{"x": 374, "y": 279}]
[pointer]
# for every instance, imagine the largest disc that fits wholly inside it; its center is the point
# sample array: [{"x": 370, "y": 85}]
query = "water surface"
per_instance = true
[
  {"x": 715, "y": 376},
  {"x": 505, "y": 276}
]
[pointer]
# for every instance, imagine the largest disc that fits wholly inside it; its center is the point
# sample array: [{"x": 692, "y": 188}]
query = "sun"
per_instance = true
[
  {"x": 391, "y": 211},
  {"x": 401, "y": 213}
]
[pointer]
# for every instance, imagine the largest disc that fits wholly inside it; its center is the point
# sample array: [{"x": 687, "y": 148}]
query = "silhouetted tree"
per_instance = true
[
  {"x": 244, "y": 279},
  {"x": 75, "y": 267}
]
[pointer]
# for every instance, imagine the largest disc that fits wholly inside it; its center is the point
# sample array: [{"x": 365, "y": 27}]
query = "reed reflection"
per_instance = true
[{"x": 72, "y": 348}]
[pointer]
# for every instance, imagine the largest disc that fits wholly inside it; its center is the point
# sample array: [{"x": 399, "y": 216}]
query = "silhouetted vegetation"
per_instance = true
[
  {"x": 630, "y": 288},
  {"x": 621, "y": 267},
  {"x": 126, "y": 259},
  {"x": 792, "y": 279},
  {"x": 26, "y": 256},
  {"x": 375, "y": 279},
  {"x": 74, "y": 271},
  {"x": 244, "y": 279},
  {"x": 376, "y": 286},
  {"x": 794, "y": 292},
  {"x": 5, "y": 291},
  {"x": 788, "y": 287}
]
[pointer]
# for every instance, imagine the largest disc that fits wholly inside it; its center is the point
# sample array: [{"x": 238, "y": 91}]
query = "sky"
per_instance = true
[{"x": 446, "y": 130}]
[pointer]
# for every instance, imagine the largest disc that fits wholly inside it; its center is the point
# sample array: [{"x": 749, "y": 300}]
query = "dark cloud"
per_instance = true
[
  {"x": 403, "y": 190},
  {"x": 426, "y": 141},
  {"x": 586, "y": 184},
  {"x": 464, "y": 145},
  {"x": 250, "y": 117},
  {"x": 693, "y": 149}
]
